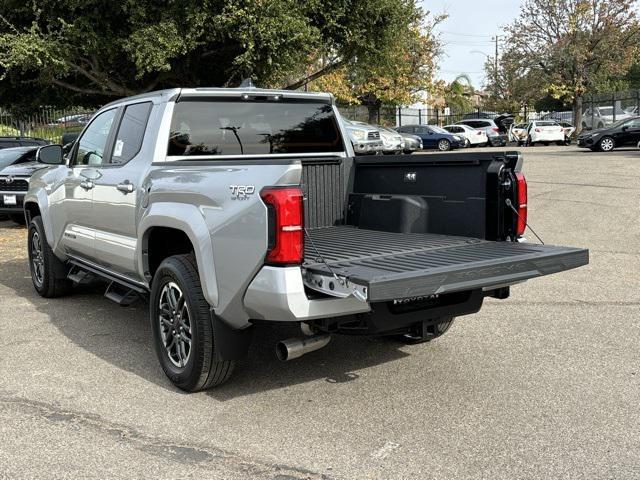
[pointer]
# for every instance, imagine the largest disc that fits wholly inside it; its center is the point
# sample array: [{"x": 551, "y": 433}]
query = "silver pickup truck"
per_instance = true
[{"x": 228, "y": 207}]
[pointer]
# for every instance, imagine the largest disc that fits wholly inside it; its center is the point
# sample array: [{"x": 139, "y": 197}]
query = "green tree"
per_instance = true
[
  {"x": 571, "y": 46},
  {"x": 89, "y": 51},
  {"x": 397, "y": 74},
  {"x": 458, "y": 93}
]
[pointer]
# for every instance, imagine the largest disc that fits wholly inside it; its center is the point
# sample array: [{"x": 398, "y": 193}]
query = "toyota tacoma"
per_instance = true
[{"x": 224, "y": 208}]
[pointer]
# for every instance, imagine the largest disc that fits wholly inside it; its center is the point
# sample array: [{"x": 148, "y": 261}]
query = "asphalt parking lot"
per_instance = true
[{"x": 543, "y": 385}]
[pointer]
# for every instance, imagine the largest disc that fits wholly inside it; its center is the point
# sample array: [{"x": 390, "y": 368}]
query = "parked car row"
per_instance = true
[{"x": 16, "y": 166}]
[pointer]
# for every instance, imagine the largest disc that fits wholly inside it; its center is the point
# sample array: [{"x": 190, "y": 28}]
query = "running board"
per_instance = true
[{"x": 119, "y": 290}]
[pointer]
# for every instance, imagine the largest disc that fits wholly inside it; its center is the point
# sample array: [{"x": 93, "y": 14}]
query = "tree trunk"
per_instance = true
[
  {"x": 373, "y": 108},
  {"x": 577, "y": 112}
]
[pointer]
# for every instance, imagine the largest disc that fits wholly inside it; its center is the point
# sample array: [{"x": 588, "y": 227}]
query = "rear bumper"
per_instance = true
[
  {"x": 497, "y": 140},
  {"x": 278, "y": 294}
]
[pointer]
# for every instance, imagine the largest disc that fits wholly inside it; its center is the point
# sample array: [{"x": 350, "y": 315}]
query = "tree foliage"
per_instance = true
[
  {"x": 88, "y": 51},
  {"x": 566, "y": 48},
  {"x": 398, "y": 74}
]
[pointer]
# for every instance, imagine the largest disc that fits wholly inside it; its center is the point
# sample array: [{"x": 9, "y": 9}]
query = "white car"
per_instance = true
[
  {"x": 545, "y": 131},
  {"x": 518, "y": 133},
  {"x": 601, "y": 116},
  {"x": 472, "y": 137}
]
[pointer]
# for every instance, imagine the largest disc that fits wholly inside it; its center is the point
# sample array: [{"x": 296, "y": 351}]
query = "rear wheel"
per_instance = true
[
  {"x": 467, "y": 143},
  {"x": 530, "y": 143},
  {"x": 427, "y": 333},
  {"x": 182, "y": 328},
  {"x": 48, "y": 272},
  {"x": 444, "y": 145},
  {"x": 606, "y": 144}
]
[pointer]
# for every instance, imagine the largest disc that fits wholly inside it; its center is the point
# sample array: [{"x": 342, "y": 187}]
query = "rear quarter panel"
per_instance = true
[{"x": 228, "y": 232}]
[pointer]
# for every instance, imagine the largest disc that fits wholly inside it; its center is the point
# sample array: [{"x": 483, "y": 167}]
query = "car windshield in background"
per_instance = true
[
  {"x": 547, "y": 124},
  {"x": 9, "y": 156},
  {"x": 239, "y": 127}
]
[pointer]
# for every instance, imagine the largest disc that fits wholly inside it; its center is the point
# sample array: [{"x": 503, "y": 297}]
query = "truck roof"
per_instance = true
[{"x": 175, "y": 93}]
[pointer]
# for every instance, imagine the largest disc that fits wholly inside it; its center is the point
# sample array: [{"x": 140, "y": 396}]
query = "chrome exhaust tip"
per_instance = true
[{"x": 296, "y": 347}]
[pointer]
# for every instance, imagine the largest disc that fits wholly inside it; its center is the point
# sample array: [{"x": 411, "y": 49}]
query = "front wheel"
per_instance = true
[
  {"x": 48, "y": 272},
  {"x": 182, "y": 328},
  {"x": 444, "y": 145},
  {"x": 428, "y": 333},
  {"x": 606, "y": 144},
  {"x": 467, "y": 143}
]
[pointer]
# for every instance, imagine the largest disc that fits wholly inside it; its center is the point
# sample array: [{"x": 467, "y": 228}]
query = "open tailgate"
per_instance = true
[{"x": 382, "y": 266}]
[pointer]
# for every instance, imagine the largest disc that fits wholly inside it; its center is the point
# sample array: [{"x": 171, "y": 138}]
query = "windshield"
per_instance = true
[
  {"x": 240, "y": 127},
  {"x": 8, "y": 156}
]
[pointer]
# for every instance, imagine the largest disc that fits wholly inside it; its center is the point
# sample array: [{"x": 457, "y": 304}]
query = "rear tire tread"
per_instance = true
[{"x": 210, "y": 373}]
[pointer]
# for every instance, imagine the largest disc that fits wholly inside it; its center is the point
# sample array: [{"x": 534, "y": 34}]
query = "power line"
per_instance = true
[{"x": 466, "y": 34}]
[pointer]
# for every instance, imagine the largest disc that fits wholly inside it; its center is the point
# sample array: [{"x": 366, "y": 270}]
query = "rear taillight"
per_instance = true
[
  {"x": 497, "y": 130},
  {"x": 479, "y": 132},
  {"x": 286, "y": 225},
  {"x": 521, "y": 191}
]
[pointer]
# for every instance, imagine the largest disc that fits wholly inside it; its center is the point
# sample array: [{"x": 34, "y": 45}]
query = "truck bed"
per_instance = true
[{"x": 403, "y": 265}]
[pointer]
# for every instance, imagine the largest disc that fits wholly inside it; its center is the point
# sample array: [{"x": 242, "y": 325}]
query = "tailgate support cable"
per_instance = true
[
  {"x": 321, "y": 259},
  {"x": 510, "y": 205}
]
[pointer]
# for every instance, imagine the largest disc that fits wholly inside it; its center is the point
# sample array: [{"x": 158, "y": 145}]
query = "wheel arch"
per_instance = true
[
  {"x": 37, "y": 203},
  {"x": 165, "y": 231}
]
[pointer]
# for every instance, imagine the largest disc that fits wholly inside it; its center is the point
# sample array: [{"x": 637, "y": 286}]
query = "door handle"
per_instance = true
[
  {"x": 87, "y": 184},
  {"x": 125, "y": 187}
]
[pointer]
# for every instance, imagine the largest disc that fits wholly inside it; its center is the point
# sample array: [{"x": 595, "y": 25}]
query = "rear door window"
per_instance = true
[
  {"x": 252, "y": 127},
  {"x": 131, "y": 132}
]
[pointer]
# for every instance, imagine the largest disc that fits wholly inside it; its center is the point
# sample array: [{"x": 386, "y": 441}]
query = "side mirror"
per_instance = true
[
  {"x": 625, "y": 128},
  {"x": 50, "y": 155}
]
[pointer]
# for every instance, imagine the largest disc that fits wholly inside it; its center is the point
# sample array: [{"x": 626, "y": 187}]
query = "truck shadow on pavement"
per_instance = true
[{"x": 121, "y": 336}]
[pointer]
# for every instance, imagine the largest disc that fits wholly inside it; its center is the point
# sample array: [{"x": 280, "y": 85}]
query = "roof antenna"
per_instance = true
[{"x": 247, "y": 83}]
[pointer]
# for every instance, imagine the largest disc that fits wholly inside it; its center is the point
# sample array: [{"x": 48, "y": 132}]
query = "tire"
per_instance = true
[
  {"x": 561, "y": 143},
  {"x": 530, "y": 143},
  {"x": 546, "y": 144},
  {"x": 48, "y": 272},
  {"x": 178, "y": 275},
  {"x": 444, "y": 145},
  {"x": 18, "y": 218},
  {"x": 467, "y": 143},
  {"x": 433, "y": 332},
  {"x": 606, "y": 144}
]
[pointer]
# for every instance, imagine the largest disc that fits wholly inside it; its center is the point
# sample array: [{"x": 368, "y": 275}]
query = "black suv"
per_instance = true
[
  {"x": 622, "y": 133},
  {"x": 11, "y": 142}
]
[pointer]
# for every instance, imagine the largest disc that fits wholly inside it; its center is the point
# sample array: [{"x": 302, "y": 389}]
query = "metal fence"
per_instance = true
[{"x": 47, "y": 122}]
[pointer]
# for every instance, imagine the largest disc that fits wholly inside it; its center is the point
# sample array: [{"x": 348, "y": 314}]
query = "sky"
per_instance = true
[{"x": 470, "y": 27}]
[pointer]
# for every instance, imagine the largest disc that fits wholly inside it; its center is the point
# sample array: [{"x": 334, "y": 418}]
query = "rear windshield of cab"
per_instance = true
[{"x": 252, "y": 127}]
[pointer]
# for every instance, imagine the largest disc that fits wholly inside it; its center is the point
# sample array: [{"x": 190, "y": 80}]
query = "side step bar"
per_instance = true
[
  {"x": 121, "y": 294},
  {"x": 119, "y": 290}
]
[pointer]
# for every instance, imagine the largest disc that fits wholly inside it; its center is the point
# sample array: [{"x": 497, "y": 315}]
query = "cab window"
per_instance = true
[{"x": 93, "y": 142}]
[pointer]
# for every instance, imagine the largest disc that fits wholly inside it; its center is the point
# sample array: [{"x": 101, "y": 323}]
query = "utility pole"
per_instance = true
[{"x": 495, "y": 60}]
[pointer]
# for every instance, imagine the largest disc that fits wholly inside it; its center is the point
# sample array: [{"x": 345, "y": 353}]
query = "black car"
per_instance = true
[
  {"x": 12, "y": 142},
  {"x": 620, "y": 134},
  {"x": 16, "y": 166}
]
